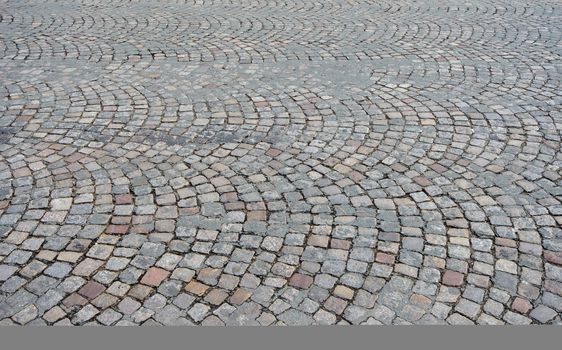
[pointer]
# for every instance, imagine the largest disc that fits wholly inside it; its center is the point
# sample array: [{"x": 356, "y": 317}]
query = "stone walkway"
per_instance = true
[{"x": 269, "y": 162}]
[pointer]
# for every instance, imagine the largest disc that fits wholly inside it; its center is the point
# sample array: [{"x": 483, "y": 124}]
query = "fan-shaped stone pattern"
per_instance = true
[{"x": 280, "y": 162}]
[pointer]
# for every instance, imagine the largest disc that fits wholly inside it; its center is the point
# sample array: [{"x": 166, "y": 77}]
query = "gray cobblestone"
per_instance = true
[{"x": 387, "y": 165}]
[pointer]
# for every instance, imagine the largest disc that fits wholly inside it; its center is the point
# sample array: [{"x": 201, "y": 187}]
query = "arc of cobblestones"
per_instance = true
[
  {"x": 324, "y": 33},
  {"x": 287, "y": 162}
]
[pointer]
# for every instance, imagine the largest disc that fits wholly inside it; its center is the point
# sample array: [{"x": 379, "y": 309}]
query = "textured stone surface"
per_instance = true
[{"x": 290, "y": 162}]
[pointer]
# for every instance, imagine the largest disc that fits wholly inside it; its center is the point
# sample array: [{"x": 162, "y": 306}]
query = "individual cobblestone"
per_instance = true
[{"x": 291, "y": 162}]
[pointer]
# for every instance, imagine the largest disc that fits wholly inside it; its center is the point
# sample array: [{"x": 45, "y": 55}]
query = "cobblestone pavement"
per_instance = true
[{"x": 253, "y": 162}]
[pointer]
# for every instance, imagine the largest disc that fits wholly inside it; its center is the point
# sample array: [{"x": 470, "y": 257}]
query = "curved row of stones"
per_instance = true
[
  {"x": 422, "y": 188},
  {"x": 247, "y": 31}
]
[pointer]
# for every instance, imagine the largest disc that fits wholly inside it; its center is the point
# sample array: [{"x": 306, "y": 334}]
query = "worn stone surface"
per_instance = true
[{"x": 290, "y": 162}]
